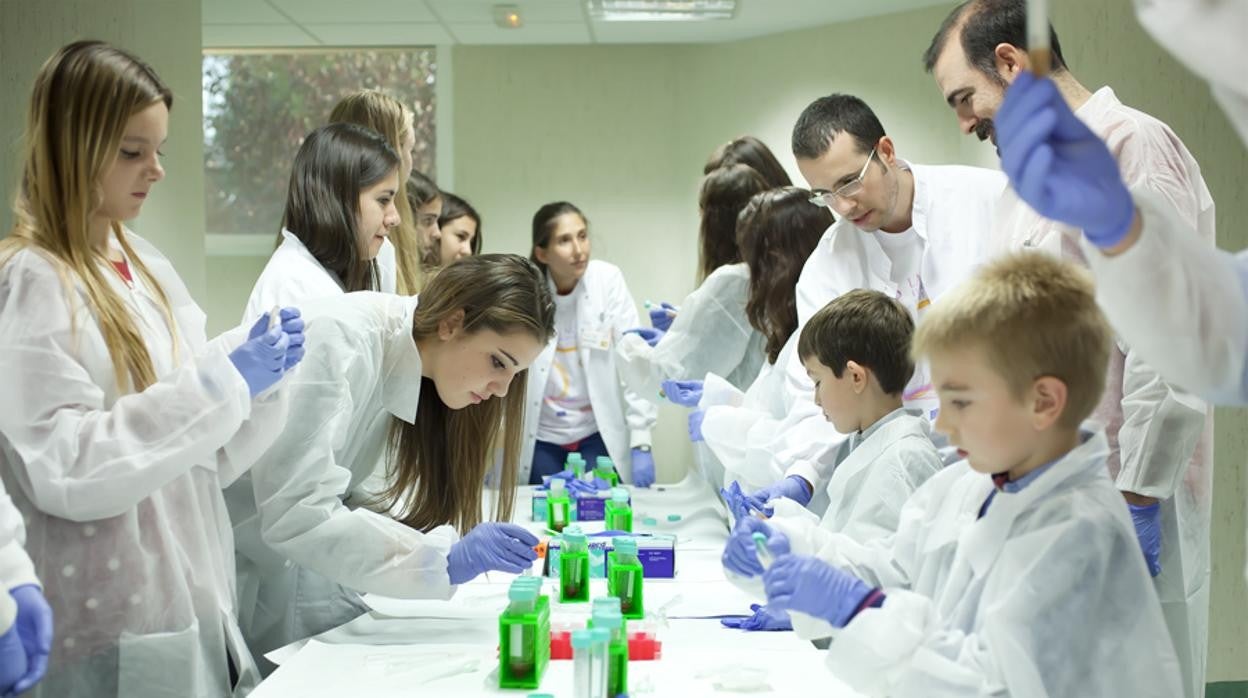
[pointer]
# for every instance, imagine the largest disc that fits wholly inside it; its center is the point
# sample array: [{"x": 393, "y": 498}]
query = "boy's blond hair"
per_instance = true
[{"x": 1034, "y": 316}]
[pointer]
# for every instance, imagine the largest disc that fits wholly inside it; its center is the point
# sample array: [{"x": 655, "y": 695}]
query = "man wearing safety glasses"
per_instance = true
[{"x": 910, "y": 231}]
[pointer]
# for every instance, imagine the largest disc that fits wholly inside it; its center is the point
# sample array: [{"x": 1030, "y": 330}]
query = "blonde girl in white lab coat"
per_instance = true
[
  {"x": 403, "y": 255},
  {"x": 121, "y": 422},
  {"x": 575, "y": 399},
  {"x": 433, "y": 386},
  {"x": 340, "y": 207}
]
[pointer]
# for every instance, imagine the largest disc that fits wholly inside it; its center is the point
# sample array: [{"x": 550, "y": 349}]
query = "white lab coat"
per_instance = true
[
  {"x": 293, "y": 276},
  {"x": 306, "y": 545},
  {"x": 711, "y": 334},
  {"x": 606, "y": 309},
  {"x": 1160, "y": 437},
  {"x": 740, "y": 428},
  {"x": 122, "y": 493},
  {"x": 952, "y": 214},
  {"x": 16, "y": 569},
  {"x": 1046, "y": 595}
]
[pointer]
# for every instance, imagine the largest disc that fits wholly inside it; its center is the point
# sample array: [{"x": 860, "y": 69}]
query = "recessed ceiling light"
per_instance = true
[
  {"x": 508, "y": 16},
  {"x": 661, "y": 10}
]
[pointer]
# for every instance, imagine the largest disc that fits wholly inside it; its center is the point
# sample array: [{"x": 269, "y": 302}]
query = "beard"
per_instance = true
[{"x": 986, "y": 129}]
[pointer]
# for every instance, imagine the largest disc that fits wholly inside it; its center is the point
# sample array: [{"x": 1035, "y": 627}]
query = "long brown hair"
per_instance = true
[
  {"x": 389, "y": 117},
  {"x": 82, "y": 98},
  {"x": 724, "y": 193},
  {"x": 334, "y": 165},
  {"x": 778, "y": 230},
  {"x": 748, "y": 150},
  {"x": 436, "y": 468}
]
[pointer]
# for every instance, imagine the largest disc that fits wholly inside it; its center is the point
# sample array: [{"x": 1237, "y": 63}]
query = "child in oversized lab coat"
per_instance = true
[
  {"x": 857, "y": 351},
  {"x": 1015, "y": 571}
]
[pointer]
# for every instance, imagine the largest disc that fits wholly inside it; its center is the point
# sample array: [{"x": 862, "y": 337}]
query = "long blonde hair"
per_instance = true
[
  {"x": 82, "y": 98},
  {"x": 389, "y": 117},
  {"x": 436, "y": 468}
]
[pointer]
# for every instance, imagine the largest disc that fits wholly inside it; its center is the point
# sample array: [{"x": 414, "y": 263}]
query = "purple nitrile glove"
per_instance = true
[
  {"x": 34, "y": 627},
  {"x": 695, "y": 425},
  {"x": 812, "y": 586},
  {"x": 492, "y": 545},
  {"x": 764, "y": 618},
  {"x": 740, "y": 554},
  {"x": 1058, "y": 165},
  {"x": 661, "y": 317},
  {"x": 1147, "y": 520},
  {"x": 687, "y": 393},
  {"x": 643, "y": 467},
  {"x": 793, "y": 487},
  {"x": 650, "y": 334}
]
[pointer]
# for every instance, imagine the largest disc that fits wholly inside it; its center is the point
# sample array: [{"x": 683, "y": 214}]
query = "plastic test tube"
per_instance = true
[
  {"x": 523, "y": 636},
  {"x": 760, "y": 545},
  {"x": 275, "y": 317},
  {"x": 599, "y": 669},
  {"x": 556, "y": 499},
  {"x": 582, "y": 664}
]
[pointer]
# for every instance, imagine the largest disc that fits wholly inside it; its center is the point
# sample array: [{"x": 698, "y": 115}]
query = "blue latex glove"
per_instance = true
[
  {"x": 643, "y": 468},
  {"x": 12, "y": 660},
  {"x": 292, "y": 325},
  {"x": 1058, "y": 165},
  {"x": 764, "y": 618},
  {"x": 734, "y": 497},
  {"x": 34, "y": 627},
  {"x": 651, "y": 335},
  {"x": 740, "y": 556},
  {"x": 793, "y": 487},
  {"x": 492, "y": 545},
  {"x": 695, "y": 425},
  {"x": 567, "y": 476},
  {"x": 661, "y": 318},
  {"x": 683, "y": 393},
  {"x": 1147, "y": 520},
  {"x": 591, "y": 487},
  {"x": 812, "y": 586},
  {"x": 261, "y": 360}
]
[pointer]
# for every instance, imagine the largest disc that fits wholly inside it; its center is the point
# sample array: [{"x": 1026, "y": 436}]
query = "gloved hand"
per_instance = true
[
  {"x": 261, "y": 360},
  {"x": 740, "y": 556},
  {"x": 764, "y": 618},
  {"x": 492, "y": 545},
  {"x": 651, "y": 335},
  {"x": 34, "y": 627},
  {"x": 591, "y": 487},
  {"x": 734, "y": 497},
  {"x": 13, "y": 664},
  {"x": 661, "y": 317},
  {"x": 567, "y": 476},
  {"x": 292, "y": 325},
  {"x": 643, "y": 468},
  {"x": 1147, "y": 520},
  {"x": 812, "y": 586},
  {"x": 1058, "y": 165},
  {"x": 683, "y": 393},
  {"x": 793, "y": 487},
  {"x": 695, "y": 425}
]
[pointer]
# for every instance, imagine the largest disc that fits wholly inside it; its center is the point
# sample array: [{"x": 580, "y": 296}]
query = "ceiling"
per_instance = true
[{"x": 294, "y": 23}]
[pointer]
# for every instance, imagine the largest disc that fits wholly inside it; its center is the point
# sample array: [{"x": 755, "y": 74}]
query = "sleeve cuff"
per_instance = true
[{"x": 640, "y": 437}]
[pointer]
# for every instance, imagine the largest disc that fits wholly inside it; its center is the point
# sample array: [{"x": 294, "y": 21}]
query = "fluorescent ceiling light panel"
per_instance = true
[{"x": 661, "y": 10}]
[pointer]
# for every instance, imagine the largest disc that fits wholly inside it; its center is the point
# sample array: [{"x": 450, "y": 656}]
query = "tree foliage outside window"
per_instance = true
[{"x": 258, "y": 107}]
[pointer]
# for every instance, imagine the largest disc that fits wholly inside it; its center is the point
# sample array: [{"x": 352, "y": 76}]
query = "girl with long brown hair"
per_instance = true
[
  {"x": 121, "y": 422},
  {"x": 431, "y": 387},
  {"x": 778, "y": 231}
]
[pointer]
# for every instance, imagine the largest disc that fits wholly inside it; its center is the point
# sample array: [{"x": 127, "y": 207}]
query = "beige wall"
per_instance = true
[{"x": 166, "y": 34}]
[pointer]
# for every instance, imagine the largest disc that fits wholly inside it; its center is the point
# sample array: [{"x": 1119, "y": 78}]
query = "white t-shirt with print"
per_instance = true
[{"x": 567, "y": 415}]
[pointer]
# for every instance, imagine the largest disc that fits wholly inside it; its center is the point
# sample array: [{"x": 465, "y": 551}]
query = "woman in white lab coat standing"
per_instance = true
[
  {"x": 340, "y": 206},
  {"x": 434, "y": 387},
  {"x": 711, "y": 333},
  {"x": 121, "y": 422},
  {"x": 576, "y": 401}
]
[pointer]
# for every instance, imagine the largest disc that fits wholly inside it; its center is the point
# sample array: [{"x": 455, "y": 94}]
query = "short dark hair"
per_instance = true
[
  {"x": 984, "y": 25},
  {"x": 457, "y": 207},
  {"x": 828, "y": 116},
  {"x": 866, "y": 327},
  {"x": 420, "y": 190},
  {"x": 334, "y": 164}
]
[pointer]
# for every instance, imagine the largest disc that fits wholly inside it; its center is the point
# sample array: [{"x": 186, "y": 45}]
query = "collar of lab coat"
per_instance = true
[
  {"x": 982, "y": 541},
  {"x": 1100, "y": 102},
  {"x": 291, "y": 241},
  {"x": 401, "y": 364},
  {"x": 864, "y": 448},
  {"x": 851, "y": 246}
]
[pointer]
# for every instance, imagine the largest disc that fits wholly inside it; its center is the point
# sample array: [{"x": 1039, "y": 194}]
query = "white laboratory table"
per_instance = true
[{"x": 449, "y": 648}]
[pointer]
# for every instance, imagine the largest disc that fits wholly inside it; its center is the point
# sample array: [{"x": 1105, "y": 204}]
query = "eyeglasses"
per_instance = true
[{"x": 849, "y": 189}]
